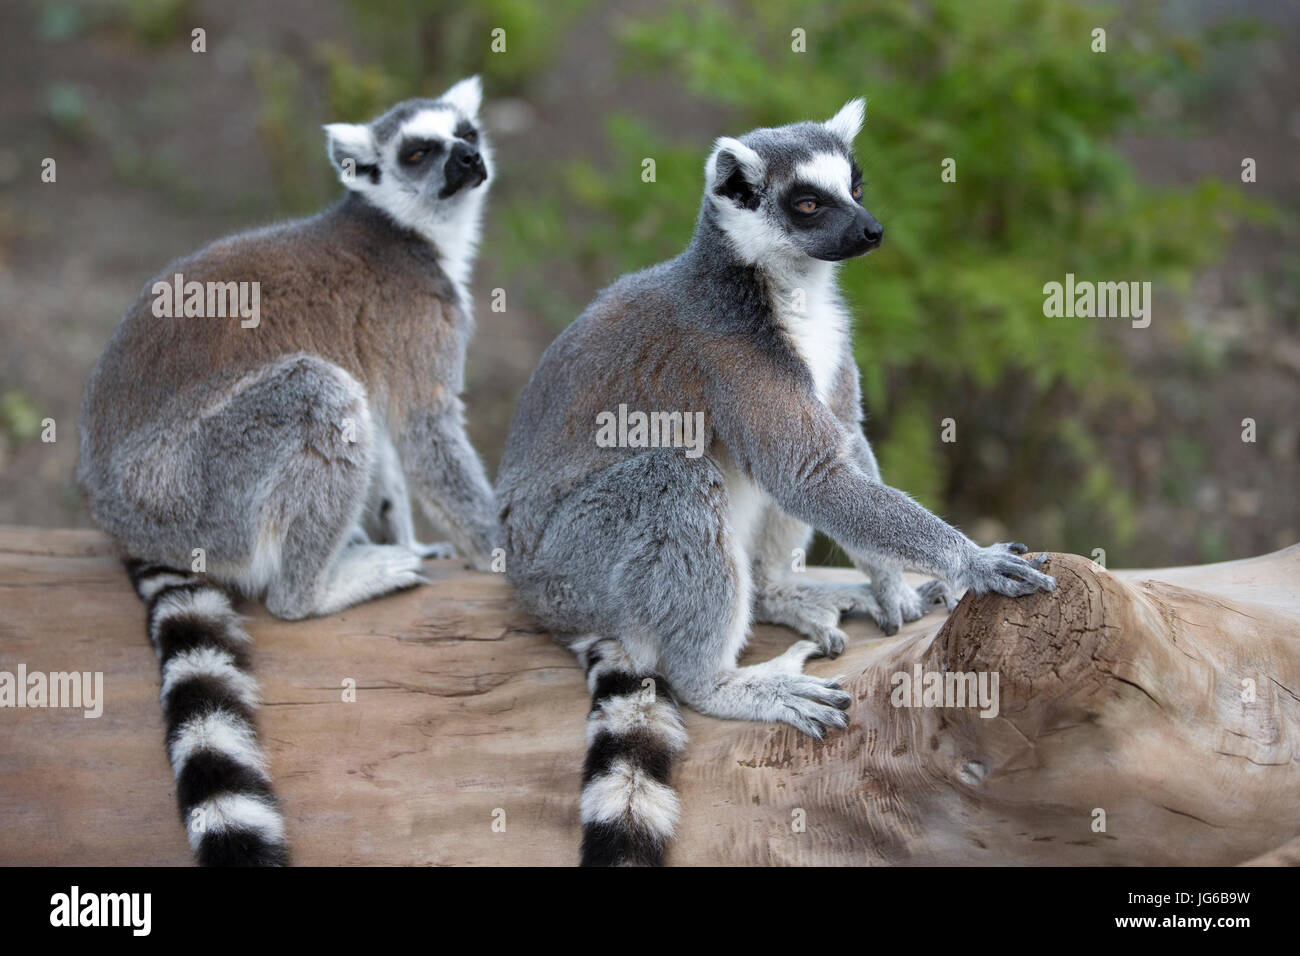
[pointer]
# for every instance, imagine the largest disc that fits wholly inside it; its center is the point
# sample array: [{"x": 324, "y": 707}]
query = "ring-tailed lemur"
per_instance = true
[
  {"x": 281, "y": 450},
  {"x": 653, "y": 561}
]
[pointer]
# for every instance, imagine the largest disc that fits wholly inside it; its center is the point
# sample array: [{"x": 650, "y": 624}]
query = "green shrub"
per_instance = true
[{"x": 949, "y": 313}]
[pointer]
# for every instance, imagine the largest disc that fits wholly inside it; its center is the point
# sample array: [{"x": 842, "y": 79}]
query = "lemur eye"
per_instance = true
[
  {"x": 857, "y": 191},
  {"x": 471, "y": 136},
  {"x": 415, "y": 155},
  {"x": 806, "y": 205}
]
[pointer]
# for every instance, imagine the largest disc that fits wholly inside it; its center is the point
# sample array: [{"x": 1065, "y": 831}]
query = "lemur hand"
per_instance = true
[
  {"x": 1000, "y": 568},
  {"x": 901, "y": 603}
]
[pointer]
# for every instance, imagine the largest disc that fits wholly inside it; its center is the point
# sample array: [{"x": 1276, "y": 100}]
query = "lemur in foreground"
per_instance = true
[
  {"x": 651, "y": 562},
  {"x": 285, "y": 451}
]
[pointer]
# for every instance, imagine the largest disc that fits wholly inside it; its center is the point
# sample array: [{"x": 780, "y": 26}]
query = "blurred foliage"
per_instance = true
[
  {"x": 19, "y": 420},
  {"x": 57, "y": 22},
  {"x": 446, "y": 39},
  {"x": 406, "y": 48},
  {"x": 301, "y": 186},
  {"x": 66, "y": 109},
  {"x": 952, "y": 305},
  {"x": 949, "y": 320},
  {"x": 149, "y": 23},
  {"x": 156, "y": 21}
]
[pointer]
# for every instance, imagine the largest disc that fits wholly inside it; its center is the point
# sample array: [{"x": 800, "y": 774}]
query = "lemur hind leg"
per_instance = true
[
  {"x": 301, "y": 429},
  {"x": 644, "y": 551},
  {"x": 810, "y": 608},
  {"x": 815, "y": 608}
]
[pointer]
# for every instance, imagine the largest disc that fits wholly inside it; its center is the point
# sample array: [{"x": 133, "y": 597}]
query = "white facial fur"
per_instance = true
[
  {"x": 806, "y": 301},
  {"x": 829, "y": 172},
  {"x": 434, "y": 124},
  {"x": 453, "y": 225},
  {"x": 755, "y": 239}
]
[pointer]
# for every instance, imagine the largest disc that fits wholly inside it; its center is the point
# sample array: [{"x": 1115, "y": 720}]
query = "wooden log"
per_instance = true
[{"x": 1120, "y": 692}]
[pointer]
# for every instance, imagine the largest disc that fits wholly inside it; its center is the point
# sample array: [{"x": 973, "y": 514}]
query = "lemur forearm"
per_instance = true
[
  {"x": 874, "y": 565},
  {"x": 824, "y": 480},
  {"x": 875, "y": 520},
  {"x": 448, "y": 480}
]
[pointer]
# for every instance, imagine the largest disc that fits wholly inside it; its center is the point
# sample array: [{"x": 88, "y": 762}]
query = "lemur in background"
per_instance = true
[
  {"x": 651, "y": 563},
  {"x": 285, "y": 451}
]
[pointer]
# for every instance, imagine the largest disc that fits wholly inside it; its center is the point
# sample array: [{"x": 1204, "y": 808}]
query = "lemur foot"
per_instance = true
[
  {"x": 900, "y": 603},
  {"x": 368, "y": 571},
  {"x": 437, "y": 550},
  {"x": 814, "y": 609},
  {"x": 779, "y": 691}
]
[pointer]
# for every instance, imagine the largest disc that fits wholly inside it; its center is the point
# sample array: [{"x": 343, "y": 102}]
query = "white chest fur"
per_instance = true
[
  {"x": 746, "y": 506},
  {"x": 453, "y": 226},
  {"x": 746, "y": 503},
  {"x": 808, "y": 308}
]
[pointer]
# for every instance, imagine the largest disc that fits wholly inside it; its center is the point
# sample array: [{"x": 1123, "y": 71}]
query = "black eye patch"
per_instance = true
[
  {"x": 467, "y": 132},
  {"x": 801, "y": 193},
  {"x": 414, "y": 152}
]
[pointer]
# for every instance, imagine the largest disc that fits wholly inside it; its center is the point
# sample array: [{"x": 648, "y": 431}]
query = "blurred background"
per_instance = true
[{"x": 1072, "y": 434}]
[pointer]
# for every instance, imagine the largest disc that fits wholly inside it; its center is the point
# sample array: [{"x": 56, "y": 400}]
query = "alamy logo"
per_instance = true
[
  {"x": 75, "y": 689},
  {"x": 1102, "y": 300},
  {"x": 923, "y": 688},
  {"x": 179, "y": 299},
  {"x": 75, "y": 908},
  {"x": 626, "y": 429}
]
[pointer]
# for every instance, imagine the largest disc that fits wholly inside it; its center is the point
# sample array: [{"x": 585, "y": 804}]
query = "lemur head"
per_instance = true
[
  {"x": 793, "y": 192},
  {"x": 421, "y": 162}
]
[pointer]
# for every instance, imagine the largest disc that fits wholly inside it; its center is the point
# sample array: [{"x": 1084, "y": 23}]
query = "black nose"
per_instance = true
[
  {"x": 465, "y": 167},
  {"x": 465, "y": 155},
  {"x": 873, "y": 232}
]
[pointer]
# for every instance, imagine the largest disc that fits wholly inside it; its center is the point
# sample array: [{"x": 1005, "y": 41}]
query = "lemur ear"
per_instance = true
[
  {"x": 734, "y": 172},
  {"x": 353, "y": 152},
  {"x": 847, "y": 123},
  {"x": 466, "y": 96}
]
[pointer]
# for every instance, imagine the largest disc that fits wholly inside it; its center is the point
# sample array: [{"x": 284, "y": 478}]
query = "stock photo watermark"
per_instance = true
[
  {"x": 73, "y": 690},
  {"x": 77, "y": 909},
  {"x": 180, "y": 299},
  {"x": 950, "y": 689},
  {"x": 1099, "y": 300},
  {"x": 636, "y": 429}
]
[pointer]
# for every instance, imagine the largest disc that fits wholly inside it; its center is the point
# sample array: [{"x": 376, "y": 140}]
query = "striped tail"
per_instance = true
[
  {"x": 634, "y": 734},
  {"x": 209, "y": 699}
]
